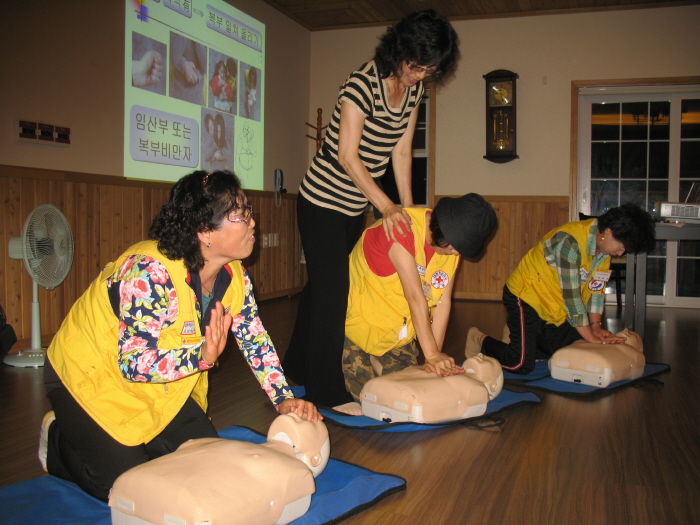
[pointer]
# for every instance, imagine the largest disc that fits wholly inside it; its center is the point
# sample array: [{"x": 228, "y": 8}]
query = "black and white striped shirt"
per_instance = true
[{"x": 326, "y": 184}]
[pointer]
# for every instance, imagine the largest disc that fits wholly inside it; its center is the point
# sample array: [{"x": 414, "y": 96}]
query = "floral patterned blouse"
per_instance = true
[{"x": 148, "y": 304}]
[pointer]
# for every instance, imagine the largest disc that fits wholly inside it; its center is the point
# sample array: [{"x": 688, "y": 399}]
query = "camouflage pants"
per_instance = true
[{"x": 357, "y": 367}]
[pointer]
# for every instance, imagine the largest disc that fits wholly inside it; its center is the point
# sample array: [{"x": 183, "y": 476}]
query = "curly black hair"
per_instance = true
[
  {"x": 424, "y": 38},
  {"x": 198, "y": 202},
  {"x": 630, "y": 225}
]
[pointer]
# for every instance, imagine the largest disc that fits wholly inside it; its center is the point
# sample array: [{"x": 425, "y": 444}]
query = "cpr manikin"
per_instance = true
[
  {"x": 599, "y": 365},
  {"x": 416, "y": 395},
  {"x": 214, "y": 480}
]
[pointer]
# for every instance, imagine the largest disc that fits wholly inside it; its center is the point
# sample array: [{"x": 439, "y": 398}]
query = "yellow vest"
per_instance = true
[
  {"x": 85, "y": 355},
  {"x": 377, "y": 309},
  {"x": 537, "y": 283}
]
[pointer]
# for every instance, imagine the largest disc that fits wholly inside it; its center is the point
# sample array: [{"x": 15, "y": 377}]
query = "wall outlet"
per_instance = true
[
  {"x": 270, "y": 240},
  {"x": 34, "y": 132}
]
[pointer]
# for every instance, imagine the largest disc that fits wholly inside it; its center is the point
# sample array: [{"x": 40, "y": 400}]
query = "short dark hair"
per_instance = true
[
  {"x": 198, "y": 202},
  {"x": 630, "y": 225},
  {"x": 425, "y": 38},
  {"x": 436, "y": 232}
]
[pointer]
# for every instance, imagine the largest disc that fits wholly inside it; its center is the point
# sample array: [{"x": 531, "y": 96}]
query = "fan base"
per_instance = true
[{"x": 33, "y": 358}]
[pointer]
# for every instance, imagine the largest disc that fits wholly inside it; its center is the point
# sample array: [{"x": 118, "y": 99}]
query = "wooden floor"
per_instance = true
[{"x": 632, "y": 456}]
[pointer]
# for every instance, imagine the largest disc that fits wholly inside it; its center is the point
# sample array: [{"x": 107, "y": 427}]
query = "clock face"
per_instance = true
[{"x": 500, "y": 94}]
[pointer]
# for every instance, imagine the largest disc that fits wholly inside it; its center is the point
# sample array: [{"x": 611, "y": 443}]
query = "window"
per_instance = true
[{"x": 641, "y": 144}]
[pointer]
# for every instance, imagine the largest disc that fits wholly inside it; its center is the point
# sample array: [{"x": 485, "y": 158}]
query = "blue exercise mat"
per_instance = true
[
  {"x": 506, "y": 399},
  {"x": 342, "y": 490},
  {"x": 541, "y": 379}
]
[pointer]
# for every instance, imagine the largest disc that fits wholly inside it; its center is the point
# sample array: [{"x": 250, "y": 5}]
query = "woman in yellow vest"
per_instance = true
[
  {"x": 126, "y": 373},
  {"x": 401, "y": 290},
  {"x": 555, "y": 295}
]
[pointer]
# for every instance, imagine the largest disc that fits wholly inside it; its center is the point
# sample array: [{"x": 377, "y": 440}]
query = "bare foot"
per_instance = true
[
  {"x": 352, "y": 409},
  {"x": 474, "y": 340}
]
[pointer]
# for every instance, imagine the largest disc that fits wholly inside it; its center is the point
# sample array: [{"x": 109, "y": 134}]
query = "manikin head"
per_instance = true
[
  {"x": 486, "y": 370},
  {"x": 631, "y": 338},
  {"x": 310, "y": 440}
]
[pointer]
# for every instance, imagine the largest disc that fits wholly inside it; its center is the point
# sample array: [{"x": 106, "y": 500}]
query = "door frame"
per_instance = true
[{"x": 617, "y": 84}]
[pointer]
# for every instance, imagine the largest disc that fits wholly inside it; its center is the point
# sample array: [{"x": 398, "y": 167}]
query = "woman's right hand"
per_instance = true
[
  {"x": 215, "y": 334},
  {"x": 442, "y": 365},
  {"x": 394, "y": 217}
]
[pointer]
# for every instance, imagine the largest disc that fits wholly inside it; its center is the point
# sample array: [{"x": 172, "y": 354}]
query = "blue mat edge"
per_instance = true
[
  {"x": 364, "y": 506},
  {"x": 399, "y": 485},
  {"x": 577, "y": 390},
  {"x": 392, "y": 482}
]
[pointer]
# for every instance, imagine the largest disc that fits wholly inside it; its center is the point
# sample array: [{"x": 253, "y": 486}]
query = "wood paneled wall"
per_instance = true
[
  {"x": 522, "y": 221},
  {"x": 107, "y": 215}
]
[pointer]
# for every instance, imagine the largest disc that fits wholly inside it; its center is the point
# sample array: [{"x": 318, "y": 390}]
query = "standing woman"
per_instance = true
[
  {"x": 373, "y": 121},
  {"x": 126, "y": 374}
]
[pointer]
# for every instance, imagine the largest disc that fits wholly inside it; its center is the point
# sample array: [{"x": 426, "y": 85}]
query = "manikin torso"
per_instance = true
[
  {"x": 228, "y": 481},
  {"x": 598, "y": 364},
  {"x": 415, "y": 395}
]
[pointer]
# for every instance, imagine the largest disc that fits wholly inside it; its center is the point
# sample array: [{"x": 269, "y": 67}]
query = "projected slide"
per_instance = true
[{"x": 193, "y": 90}]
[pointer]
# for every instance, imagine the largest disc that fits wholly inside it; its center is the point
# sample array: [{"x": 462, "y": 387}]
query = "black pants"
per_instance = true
[
  {"x": 82, "y": 452},
  {"x": 531, "y": 337},
  {"x": 315, "y": 354}
]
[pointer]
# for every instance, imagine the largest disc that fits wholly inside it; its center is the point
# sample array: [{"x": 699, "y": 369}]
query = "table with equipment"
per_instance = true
[{"x": 636, "y": 272}]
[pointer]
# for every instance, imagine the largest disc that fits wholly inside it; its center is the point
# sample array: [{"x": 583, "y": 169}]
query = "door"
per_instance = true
[{"x": 641, "y": 144}]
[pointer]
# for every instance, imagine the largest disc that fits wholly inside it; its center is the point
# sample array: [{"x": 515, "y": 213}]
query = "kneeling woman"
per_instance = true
[
  {"x": 127, "y": 371},
  {"x": 556, "y": 294},
  {"x": 402, "y": 290}
]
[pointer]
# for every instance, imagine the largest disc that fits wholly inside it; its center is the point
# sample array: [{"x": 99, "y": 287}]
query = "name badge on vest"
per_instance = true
[
  {"x": 427, "y": 292},
  {"x": 602, "y": 275},
  {"x": 188, "y": 328},
  {"x": 584, "y": 274},
  {"x": 421, "y": 269}
]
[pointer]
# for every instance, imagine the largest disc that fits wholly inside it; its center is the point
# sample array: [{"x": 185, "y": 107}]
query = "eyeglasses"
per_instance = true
[
  {"x": 247, "y": 215},
  {"x": 420, "y": 69}
]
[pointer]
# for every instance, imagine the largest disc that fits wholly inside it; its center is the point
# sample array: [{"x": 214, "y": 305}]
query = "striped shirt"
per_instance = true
[
  {"x": 326, "y": 184},
  {"x": 563, "y": 253}
]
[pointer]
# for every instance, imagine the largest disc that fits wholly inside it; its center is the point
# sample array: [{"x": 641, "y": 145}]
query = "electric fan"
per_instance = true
[{"x": 46, "y": 245}]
